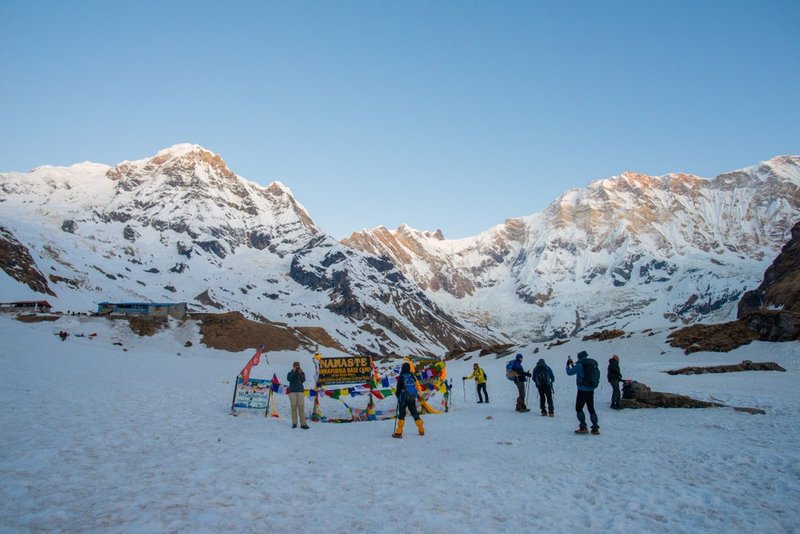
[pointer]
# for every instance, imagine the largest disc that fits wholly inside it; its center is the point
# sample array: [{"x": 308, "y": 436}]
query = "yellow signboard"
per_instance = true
[{"x": 352, "y": 370}]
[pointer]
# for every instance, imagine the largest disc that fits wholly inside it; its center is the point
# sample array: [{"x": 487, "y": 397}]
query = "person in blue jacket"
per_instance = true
[
  {"x": 519, "y": 380},
  {"x": 585, "y": 395},
  {"x": 407, "y": 394}
]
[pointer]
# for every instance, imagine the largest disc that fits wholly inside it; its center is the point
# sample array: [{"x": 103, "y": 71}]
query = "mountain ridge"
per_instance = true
[
  {"x": 629, "y": 250},
  {"x": 181, "y": 226},
  {"x": 627, "y": 231}
]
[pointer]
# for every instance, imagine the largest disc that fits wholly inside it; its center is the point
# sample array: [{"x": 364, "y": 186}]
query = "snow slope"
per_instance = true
[{"x": 137, "y": 438}]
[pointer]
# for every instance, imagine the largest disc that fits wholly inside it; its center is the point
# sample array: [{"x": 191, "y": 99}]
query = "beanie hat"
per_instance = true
[
  {"x": 582, "y": 354},
  {"x": 406, "y": 368},
  {"x": 519, "y": 356},
  {"x": 541, "y": 362}
]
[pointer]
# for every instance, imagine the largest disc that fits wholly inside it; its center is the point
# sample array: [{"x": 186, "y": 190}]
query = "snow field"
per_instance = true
[{"x": 100, "y": 439}]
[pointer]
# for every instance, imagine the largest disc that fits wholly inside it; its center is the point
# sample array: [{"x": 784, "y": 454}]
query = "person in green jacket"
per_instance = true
[
  {"x": 480, "y": 382},
  {"x": 296, "y": 377}
]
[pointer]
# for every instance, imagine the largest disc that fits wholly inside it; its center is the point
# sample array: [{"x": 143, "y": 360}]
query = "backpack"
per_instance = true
[
  {"x": 411, "y": 386},
  {"x": 511, "y": 374},
  {"x": 540, "y": 376},
  {"x": 628, "y": 389},
  {"x": 591, "y": 373}
]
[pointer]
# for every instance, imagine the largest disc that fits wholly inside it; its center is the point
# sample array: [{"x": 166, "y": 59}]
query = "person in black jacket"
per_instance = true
[
  {"x": 614, "y": 378},
  {"x": 406, "y": 398},
  {"x": 296, "y": 378},
  {"x": 543, "y": 377}
]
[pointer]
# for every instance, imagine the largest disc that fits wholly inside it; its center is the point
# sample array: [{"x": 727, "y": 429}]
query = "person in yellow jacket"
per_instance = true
[{"x": 480, "y": 382}]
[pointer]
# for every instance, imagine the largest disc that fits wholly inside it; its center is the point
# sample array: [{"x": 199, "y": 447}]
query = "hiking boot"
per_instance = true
[
  {"x": 596, "y": 431},
  {"x": 544, "y": 413},
  {"x": 304, "y": 427},
  {"x": 551, "y": 414},
  {"x": 398, "y": 431},
  {"x": 480, "y": 402},
  {"x": 294, "y": 426},
  {"x": 582, "y": 431}
]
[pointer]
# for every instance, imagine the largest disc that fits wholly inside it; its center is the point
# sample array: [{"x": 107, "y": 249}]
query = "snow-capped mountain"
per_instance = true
[
  {"x": 181, "y": 226},
  {"x": 628, "y": 251}
]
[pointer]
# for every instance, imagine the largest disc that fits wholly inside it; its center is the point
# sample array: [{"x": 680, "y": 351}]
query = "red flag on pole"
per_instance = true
[{"x": 252, "y": 363}]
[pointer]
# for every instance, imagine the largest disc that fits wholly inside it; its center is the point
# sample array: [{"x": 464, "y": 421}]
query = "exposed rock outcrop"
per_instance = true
[
  {"x": 605, "y": 335},
  {"x": 770, "y": 312},
  {"x": 638, "y": 395},
  {"x": 232, "y": 332},
  {"x": 780, "y": 288},
  {"x": 746, "y": 365},
  {"x": 17, "y": 262}
]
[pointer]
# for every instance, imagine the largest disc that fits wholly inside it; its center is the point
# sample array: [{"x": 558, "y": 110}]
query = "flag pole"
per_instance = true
[{"x": 235, "y": 389}]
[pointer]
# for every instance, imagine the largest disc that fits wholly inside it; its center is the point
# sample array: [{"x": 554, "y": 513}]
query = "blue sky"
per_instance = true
[{"x": 451, "y": 115}]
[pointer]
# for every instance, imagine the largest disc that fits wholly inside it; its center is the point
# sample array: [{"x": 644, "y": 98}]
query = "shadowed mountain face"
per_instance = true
[{"x": 18, "y": 264}]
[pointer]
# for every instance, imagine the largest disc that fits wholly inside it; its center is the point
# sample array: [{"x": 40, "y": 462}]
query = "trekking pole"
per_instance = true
[
  {"x": 464, "y": 387},
  {"x": 527, "y": 390},
  {"x": 269, "y": 398}
]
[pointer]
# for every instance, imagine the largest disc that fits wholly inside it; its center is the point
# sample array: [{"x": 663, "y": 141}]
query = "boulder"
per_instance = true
[
  {"x": 638, "y": 395},
  {"x": 746, "y": 365}
]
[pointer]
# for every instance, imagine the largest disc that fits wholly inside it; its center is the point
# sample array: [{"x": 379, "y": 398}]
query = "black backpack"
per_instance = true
[
  {"x": 591, "y": 373},
  {"x": 540, "y": 376}
]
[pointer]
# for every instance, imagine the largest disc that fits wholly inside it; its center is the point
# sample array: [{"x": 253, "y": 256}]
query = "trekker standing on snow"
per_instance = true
[
  {"x": 296, "y": 378},
  {"x": 614, "y": 378},
  {"x": 406, "y": 398},
  {"x": 588, "y": 376},
  {"x": 543, "y": 378},
  {"x": 480, "y": 382},
  {"x": 519, "y": 380}
]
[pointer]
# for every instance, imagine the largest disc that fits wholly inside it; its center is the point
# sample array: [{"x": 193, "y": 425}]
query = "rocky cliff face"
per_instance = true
[
  {"x": 771, "y": 312},
  {"x": 17, "y": 263},
  {"x": 780, "y": 288},
  {"x": 181, "y": 226},
  {"x": 618, "y": 253}
]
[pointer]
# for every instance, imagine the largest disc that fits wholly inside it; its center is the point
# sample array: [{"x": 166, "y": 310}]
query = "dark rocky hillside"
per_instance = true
[{"x": 771, "y": 312}]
